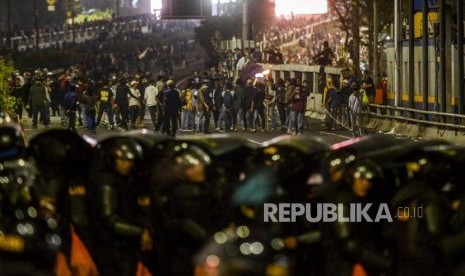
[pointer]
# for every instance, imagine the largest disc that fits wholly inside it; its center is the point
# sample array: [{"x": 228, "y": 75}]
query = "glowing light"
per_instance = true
[
  {"x": 155, "y": 7},
  {"x": 156, "y": 4},
  {"x": 19, "y": 214},
  {"x": 277, "y": 244},
  {"x": 212, "y": 261},
  {"x": 286, "y": 7},
  {"x": 275, "y": 157},
  {"x": 256, "y": 248},
  {"x": 52, "y": 224},
  {"x": 245, "y": 248},
  {"x": 32, "y": 212},
  {"x": 220, "y": 237}
]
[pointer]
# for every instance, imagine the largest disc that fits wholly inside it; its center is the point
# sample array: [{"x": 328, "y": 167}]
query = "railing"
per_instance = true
[
  {"x": 428, "y": 118},
  {"x": 51, "y": 38}
]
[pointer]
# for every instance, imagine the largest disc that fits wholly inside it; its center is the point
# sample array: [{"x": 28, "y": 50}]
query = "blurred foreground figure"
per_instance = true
[
  {"x": 349, "y": 244},
  {"x": 123, "y": 206},
  {"x": 251, "y": 246},
  {"x": 422, "y": 216},
  {"x": 29, "y": 239},
  {"x": 63, "y": 159},
  {"x": 182, "y": 184}
]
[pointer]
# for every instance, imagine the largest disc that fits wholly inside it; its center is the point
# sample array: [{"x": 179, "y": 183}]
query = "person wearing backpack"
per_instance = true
[{"x": 228, "y": 103}]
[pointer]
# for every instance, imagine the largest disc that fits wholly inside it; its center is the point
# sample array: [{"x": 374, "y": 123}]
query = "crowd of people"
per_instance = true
[
  {"x": 122, "y": 46},
  {"x": 255, "y": 105},
  {"x": 121, "y": 102},
  {"x": 346, "y": 103}
]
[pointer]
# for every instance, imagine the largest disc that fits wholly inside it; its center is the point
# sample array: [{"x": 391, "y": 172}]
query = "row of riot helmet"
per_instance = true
[
  {"x": 397, "y": 210},
  {"x": 195, "y": 205}
]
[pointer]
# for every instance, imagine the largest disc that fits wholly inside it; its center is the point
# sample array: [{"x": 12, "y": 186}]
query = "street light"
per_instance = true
[
  {"x": 36, "y": 21},
  {"x": 8, "y": 11},
  {"x": 70, "y": 14}
]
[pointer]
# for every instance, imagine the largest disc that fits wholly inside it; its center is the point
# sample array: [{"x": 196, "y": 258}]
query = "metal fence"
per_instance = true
[{"x": 442, "y": 120}]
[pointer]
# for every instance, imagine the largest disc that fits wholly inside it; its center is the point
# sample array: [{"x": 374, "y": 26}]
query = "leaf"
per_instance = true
[{"x": 7, "y": 102}]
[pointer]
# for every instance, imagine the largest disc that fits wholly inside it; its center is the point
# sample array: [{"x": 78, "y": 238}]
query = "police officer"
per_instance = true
[
  {"x": 347, "y": 244},
  {"x": 63, "y": 159},
  {"x": 419, "y": 233},
  {"x": 249, "y": 246},
  {"x": 29, "y": 239},
  {"x": 298, "y": 157},
  {"x": 122, "y": 218},
  {"x": 185, "y": 199}
]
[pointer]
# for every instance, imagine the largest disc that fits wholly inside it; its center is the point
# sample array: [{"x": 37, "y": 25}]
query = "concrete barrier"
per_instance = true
[
  {"x": 401, "y": 127},
  {"x": 395, "y": 123},
  {"x": 372, "y": 124},
  {"x": 431, "y": 133},
  {"x": 414, "y": 130},
  {"x": 385, "y": 125}
]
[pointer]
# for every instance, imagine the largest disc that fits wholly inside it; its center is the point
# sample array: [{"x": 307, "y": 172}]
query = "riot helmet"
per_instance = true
[
  {"x": 12, "y": 142},
  {"x": 362, "y": 175},
  {"x": 428, "y": 167},
  {"x": 61, "y": 150},
  {"x": 125, "y": 153},
  {"x": 183, "y": 161}
]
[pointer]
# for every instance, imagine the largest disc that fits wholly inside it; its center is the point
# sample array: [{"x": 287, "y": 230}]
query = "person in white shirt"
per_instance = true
[
  {"x": 356, "y": 110},
  {"x": 150, "y": 95},
  {"x": 240, "y": 64},
  {"x": 134, "y": 103}
]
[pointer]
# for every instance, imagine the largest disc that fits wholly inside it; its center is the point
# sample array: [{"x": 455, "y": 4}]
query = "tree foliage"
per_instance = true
[
  {"x": 7, "y": 102},
  {"x": 357, "y": 15}
]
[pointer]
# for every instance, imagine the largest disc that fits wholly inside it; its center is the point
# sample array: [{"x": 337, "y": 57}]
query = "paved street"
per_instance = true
[{"x": 315, "y": 128}]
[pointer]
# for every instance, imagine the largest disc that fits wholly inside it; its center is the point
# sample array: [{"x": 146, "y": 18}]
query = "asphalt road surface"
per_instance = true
[{"x": 315, "y": 128}]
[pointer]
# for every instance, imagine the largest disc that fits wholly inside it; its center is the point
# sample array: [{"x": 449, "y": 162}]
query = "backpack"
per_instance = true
[
  {"x": 365, "y": 99},
  {"x": 228, "y": 99}
]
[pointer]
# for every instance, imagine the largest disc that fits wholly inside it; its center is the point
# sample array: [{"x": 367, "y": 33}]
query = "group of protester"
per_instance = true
[
  {"x": 256, "y": 104},
  {"x": 345, "y": 105},
  {"x": 121, "y": 102}
]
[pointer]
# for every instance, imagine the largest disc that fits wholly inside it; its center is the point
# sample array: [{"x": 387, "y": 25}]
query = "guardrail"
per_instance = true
[
  {"x": 442, "y": 120},
  {"x": 52, "y": 38}
]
